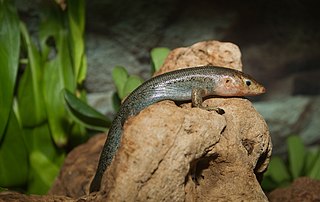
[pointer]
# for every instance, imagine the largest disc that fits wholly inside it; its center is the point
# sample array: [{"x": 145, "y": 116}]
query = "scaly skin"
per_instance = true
[{"x": 180, "y": 85}]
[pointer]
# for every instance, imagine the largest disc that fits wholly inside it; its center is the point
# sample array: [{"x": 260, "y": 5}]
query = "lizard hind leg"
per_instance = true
[{"x": 197, "y": 95}]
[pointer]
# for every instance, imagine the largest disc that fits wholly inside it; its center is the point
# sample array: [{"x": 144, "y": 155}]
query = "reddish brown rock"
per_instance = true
[
  {"x": 303, "y": 189},
  {"x": 17, "y": 197},
  {"x": 214, "y": 53},
  {"x": 78, "y": 168}
]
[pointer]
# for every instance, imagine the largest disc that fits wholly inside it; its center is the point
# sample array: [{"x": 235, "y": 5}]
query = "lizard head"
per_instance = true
[{"x": 238, "y": 84}]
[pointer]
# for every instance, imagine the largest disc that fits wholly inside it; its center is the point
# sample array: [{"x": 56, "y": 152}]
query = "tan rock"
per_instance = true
[
  {"x": 164, "y": 145},
  {"x": 214, "y": 53}
]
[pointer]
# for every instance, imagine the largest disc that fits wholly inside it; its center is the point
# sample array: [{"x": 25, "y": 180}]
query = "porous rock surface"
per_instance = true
[
  {"x": 214, "y": 53},
  {"x": 165, "y": 146}
]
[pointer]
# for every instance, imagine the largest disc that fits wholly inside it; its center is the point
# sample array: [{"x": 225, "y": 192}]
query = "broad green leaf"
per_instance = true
[
  {"x": 13, "y": 155},
  {"x": 158, "y": 56},
  {"x": 45, "y": 159},
  {"x": 315, "y": 171},
  {"x": 58, "y": 72},
  {"x": 57, "y": 115},
  {"x": 296, "y": 154},
  {"x": 51, "y": 24},
  {"x": 44, "y": 171},
  {"x": 83, "y": 71},
  {"x": 76, "y": 19},
  {"x": 132, "y": 83},
  {"x": 60, "y": 69},
  {"x": 310, "y": 159},
  {"x": 85, "y": 114},
  {"x": 9, "y": 57},
  {"x": 277, "y": 170},
  {"x": 79, "y": 133},
  {"x": 119, "y": 76},
  {"x": 30, "y": 97}
]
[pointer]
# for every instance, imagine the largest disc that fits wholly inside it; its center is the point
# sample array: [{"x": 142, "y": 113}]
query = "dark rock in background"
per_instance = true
[
  {"x": 279, "y": 40},
  {"x": 296, "y": 115}
]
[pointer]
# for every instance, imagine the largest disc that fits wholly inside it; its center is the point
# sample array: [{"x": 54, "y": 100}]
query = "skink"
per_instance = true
[{"x": 192, "y": 84}]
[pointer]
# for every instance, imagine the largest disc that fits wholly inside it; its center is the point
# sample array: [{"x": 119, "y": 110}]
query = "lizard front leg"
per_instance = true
[{"x": 197, "y": 95}]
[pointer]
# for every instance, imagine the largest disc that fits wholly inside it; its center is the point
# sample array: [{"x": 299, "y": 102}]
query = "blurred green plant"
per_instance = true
[
  {"x": 85, "y": 115},
  {"x": 301, "y": 162},
  {"x": 158, "y": 55},
  {"x": 35, "y": 127},
  {"x": 124, "y": 84}
]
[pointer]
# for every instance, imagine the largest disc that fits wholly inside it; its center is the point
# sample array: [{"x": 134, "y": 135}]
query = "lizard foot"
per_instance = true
[{"x": 217, "y": 109}]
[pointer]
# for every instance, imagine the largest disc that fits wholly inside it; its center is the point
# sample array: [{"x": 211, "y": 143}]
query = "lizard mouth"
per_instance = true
[{"x": 262, "y": 90}]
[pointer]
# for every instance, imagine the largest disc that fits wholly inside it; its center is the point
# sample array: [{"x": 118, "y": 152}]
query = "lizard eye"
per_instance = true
[{"x": 248, "y": 82}]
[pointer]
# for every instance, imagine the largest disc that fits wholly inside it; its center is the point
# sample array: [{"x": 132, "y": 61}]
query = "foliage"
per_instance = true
[
  {"x": 9, "y": 58},
  {"x": 158, "y": 55},
  {"x": 301, "y": 162},
  {"x": 88, "y": 116},
  {"x": 124, "y": 83},
  {"x": 84, "y": 114},
  {"x": 35, "y": 127}
]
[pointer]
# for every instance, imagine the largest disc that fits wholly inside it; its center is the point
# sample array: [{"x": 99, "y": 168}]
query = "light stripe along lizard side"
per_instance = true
[{"x": 180, "y": 85}]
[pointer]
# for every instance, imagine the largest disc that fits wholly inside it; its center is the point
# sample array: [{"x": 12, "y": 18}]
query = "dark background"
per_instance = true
[{"x": 279, "y": 40}]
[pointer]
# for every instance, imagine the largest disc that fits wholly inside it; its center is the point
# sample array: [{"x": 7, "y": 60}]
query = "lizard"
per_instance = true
[{"x": 195, "y": 84}]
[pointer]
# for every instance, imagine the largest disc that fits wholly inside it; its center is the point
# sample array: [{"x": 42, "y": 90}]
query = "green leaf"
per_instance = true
[
  {"x": 158, "y": 56},
  {"x": 9, "y": 57},
  {"x": 277, "y": 170},
  {"x": 58, "y": 75},
  {"x": 13, "y": 155},
  {"x": 119, "y": 76},
  {"x": 51, "y": 21},
  {"x": 45, "y": 159},
  {"x": 296, "y": 154},
  {"x": 315, "y": 171},
  {"x": 30, "y": 97},
  {"x": 311, "y": 158},
  {"x": 57, "y": 115},
  {"x": 44, "y": 171},
  {"x": 85, "y": 114},
  {"x": 83, "y": 71},
  {"x": 132, "y": 83},
  {"x": 116, "y": 102},
  {"x": 76, "y": 19}
]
